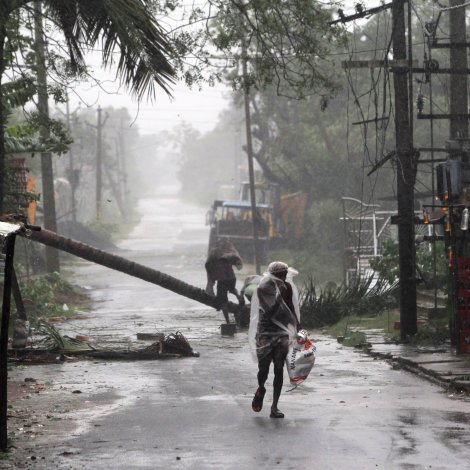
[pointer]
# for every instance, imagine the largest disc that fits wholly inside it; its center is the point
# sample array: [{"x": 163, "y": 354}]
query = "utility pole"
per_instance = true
[
  {"x": 406, "y": 174},
  {"x": 458, "y": 140},
  {"x": 122, "y": 163},
  {"x": 52, "y": 255},
  {"x": 249, "y": 151},
  {"x": 458, "y": 61},
  {"x": 72, "y": 175},
  {"x": 99, "y": 163},
  {"x": 405, "y": 155}
]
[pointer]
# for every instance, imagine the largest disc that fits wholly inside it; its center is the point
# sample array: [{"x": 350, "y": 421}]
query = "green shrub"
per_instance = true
[
  {"x": 387, "y": 265},
  {"x": 48, "y": 294},
  {"x": 328, "y": 306}
]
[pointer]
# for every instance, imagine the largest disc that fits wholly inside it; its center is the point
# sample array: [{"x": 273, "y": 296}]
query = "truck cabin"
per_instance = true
[
  {"x": 265, "y": 193},
  {"x": 230, "y": 215}
]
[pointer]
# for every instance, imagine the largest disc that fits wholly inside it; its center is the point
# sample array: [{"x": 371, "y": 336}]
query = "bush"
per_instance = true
[
  {"x": 48, "y": 294},
  {"x": 388, "y": 264},
  {"x": 330, "y": 305}
]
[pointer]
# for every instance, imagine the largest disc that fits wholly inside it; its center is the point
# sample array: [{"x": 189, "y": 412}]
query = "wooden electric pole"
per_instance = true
[
  {"x": 122, "y": 155},
  {"x": 71, "y": 170},
  {"x": 99, "y": 165},
  {"x": 48, "y": 198},
  {"x": 249, "y": 151},
  {"x": 406, "y": 174}
]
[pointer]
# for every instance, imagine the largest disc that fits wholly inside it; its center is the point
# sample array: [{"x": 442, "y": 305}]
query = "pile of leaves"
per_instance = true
[
  {"x": 176, "y": 343},
  {"x": 368, "y": 296}
]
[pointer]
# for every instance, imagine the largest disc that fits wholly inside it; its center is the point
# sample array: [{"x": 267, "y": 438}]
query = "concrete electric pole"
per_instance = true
[
  {"x": 406, "y": 174},
  {"x": 458, "y": 81}
]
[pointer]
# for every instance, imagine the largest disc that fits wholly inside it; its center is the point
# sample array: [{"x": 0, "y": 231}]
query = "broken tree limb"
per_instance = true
[{"x": 118, "y": 263}]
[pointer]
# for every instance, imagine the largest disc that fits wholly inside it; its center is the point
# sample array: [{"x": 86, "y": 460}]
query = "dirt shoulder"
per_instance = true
[{"x": 46, "y": 401}]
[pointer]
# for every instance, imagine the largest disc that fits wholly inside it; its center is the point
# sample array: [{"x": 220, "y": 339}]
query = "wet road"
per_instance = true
[{"x": 195, "y": 413}]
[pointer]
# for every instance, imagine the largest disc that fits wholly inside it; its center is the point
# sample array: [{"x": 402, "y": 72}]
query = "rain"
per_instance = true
[{"x": 234, "y": 235}]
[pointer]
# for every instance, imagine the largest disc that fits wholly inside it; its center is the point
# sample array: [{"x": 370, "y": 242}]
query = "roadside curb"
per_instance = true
[{"x": 450, "y": 381}]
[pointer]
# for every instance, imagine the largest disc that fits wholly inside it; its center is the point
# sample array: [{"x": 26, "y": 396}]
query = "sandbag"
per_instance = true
[{"x": 300, "y": 358}]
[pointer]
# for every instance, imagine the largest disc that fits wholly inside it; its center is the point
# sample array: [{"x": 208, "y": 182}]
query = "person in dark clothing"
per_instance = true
[
  {"x": 274, "y": 316},
  {"x": 219, "y": 268}
]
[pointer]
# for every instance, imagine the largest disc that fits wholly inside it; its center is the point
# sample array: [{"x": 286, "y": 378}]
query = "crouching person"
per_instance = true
[{"x": 219, "y": 269}]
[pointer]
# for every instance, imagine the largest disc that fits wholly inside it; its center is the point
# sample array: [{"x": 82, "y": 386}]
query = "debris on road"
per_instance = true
[
  {"x": 62, "y": 343},
  {"x": 61, "y": 348}
]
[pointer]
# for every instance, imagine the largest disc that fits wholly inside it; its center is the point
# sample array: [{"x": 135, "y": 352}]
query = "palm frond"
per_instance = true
[
  {"x": 125, "y": 27},
  {"x": 368, "y": 296},
  {"x": 60, "y": 343}
]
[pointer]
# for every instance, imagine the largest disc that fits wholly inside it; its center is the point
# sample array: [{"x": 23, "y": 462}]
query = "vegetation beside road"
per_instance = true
[
  {"x": 346, "y": 312},
  {"x": 368, "y": 297},
  {"x": 351, "y": 329},
  {"x": 52, "y": 297}
]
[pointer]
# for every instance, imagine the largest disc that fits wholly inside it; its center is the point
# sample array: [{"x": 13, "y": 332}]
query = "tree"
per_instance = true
[
  {"x": 287, "y": 44},
  {"x": 127, "y": 28}
]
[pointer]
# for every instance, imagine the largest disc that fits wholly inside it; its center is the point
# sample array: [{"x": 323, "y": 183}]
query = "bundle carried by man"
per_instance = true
[{"x": 300, "y": 358}]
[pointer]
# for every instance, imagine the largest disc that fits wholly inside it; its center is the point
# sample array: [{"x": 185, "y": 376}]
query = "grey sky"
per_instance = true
[{"x": 199, "y": 108}]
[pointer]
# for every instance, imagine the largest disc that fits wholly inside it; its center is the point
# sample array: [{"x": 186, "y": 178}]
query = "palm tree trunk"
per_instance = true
[{"x": 48, "y": 238}]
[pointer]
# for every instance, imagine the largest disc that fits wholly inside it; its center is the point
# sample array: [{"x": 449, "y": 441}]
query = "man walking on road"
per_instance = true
[{"x": 274, "y": 316}]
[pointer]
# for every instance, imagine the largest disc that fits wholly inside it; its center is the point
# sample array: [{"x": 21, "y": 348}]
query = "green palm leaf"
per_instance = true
[{"x": 123, "y": 26}]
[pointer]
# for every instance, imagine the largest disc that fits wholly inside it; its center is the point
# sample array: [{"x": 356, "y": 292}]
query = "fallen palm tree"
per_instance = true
[{"x": 118, "y": 263}]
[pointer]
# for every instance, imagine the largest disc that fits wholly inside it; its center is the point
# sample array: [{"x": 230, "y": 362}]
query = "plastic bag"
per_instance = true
[{"x": 300, "y": 358}]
